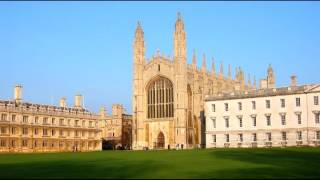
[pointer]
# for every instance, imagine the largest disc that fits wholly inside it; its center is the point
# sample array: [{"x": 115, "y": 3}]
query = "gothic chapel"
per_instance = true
[{"x": 168, "y": 94}]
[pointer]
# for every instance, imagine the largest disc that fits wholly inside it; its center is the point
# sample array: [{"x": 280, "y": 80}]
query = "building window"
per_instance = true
[
  {"x": 69, "y": 122},
  {"x": 3, "y": 117},
  {"x": 227, "y": 122},
  {"x": 25, "y": 131},
  {"x": 283, "y": 119},
  {"x": 268, "y": 104},
  {"x": 61, "y": 132},
  {"x": 13, "y": 118},
  {"x": 45, "y": 120},
  {"x": 297, "y": 102},
  {"x": 316, "y": 116},
  {"x": 299, "y": 135},
  {"x": 226, "y": 108},
  {"x": 44, "y": 143},
  {"x": 269, "y": 138},
  {"x": 77, "y": 123},
  {"x": 240, "y": 121},
  {"x": 53, "y": 120},
  {"x": 36, "y": 120},
  {"x": 283, "y": 103},
  {"x": 254, "y": 137},
  {"x": 53, "y": 132},
  {"x": 214, "y": 138},
  {"x": 90, "y": 124},
  {"x": 227, "y": 137},
  {"x": 45, "y": 132},
  {"x": 61, "y": 122},
  {"x": 318, "y": 135},
  {"x": 268, "y": 120},
  {"x": 160, "y": 101},
  {"x": 36, "y": 131},
  {"x": 25, "y": 119},
  {"x": 24, "y": 143},
  {"x": 83, "y": 123},
  {"x": 239, "y": 106},
  {"x": 241, "y": 137},
  {"x": 13, "y": 130},
  {"x": 299, "y": 118},
  {"x": 213, "y": 108},
  {"x": 253, "y": 105},
  {"x": 254, "y": 121},
  {"x": 13, "y": 143},
  {"x": 316, "y": 100},
  {"x": 284, "y": 136},
  {"x": 3, "y": 130},
  {"x": 2, "y": 143},
  {"x": 213, "y": 122}
]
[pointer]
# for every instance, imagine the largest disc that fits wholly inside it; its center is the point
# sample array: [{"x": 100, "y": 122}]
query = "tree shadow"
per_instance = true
[
  {"x": 71, "y": 168},
  {"x": 268, "y": 163}
]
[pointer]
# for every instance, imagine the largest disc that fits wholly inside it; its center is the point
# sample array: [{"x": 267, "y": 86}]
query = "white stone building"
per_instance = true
[{"x": 268, "y": 117}]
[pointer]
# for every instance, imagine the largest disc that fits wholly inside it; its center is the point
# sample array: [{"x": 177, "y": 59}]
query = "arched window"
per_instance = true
[{"x": 160, "y": 98}]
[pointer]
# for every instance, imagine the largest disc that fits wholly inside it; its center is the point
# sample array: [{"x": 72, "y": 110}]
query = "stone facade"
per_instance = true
[
  {"x": 168, "y": 94},
  {"x": 117, "y": 128},
  {"x": 268, "y": 117},
  {"x": 28, "y": 127}
]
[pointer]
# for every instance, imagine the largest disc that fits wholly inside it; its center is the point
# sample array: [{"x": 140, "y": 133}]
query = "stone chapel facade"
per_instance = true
[{"x": 168, "y": 94}]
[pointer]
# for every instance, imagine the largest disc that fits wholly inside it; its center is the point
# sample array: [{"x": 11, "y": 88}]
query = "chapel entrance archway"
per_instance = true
[{"x": 160, "y": 141}]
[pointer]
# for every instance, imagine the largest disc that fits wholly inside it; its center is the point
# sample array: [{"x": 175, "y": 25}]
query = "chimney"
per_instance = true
[
  {"x": 18, "y": 93},
  {"x": 102, "y": 112},
  {"x": 63, "y": 103},
  {"x": 293, "y": 81},
  {"x": 78, "y": 101}
]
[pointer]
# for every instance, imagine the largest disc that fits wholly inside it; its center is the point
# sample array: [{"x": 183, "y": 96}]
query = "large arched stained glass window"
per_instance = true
[{"x": 160, "y": 98}]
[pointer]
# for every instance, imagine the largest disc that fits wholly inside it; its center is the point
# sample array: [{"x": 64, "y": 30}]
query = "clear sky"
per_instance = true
[{"x": 59, "y": 49}]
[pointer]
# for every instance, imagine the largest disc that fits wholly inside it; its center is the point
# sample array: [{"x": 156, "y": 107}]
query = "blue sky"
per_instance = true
[{"x": 59, "y": 49}]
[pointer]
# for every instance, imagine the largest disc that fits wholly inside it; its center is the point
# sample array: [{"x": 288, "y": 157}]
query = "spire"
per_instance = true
[
  {"x": 270, "y": 68},
  {"x": 139, "y": 48},
  {"x": 254, "y": 82},
  {"x": 213, "y": 68},
  {"x": 242, "y": 73},
  {"x": 270, "y": 77},
  {"x": 179, "y": 40},
  {"x": 194, "y": 58},
  {"x": 179, "y": 23},
  {"x": 221, "y": 68},
  {"x": 236, "y": 74},
  {"x": 229, "y": 71},
  {"x": 249, "y": 81},
  {"x": 139, "y": 32},
  {"x": 204, "y": 66}
]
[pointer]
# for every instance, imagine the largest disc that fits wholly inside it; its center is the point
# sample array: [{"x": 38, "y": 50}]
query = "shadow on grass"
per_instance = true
[
  {"x": 269, "y": 163},
  {"x": 97, "y": 168}
]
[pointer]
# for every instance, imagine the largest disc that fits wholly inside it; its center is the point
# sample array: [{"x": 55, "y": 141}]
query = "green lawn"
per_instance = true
[{"x": 210, "y": 163}]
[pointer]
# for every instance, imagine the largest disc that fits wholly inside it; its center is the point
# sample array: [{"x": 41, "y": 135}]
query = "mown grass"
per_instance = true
[{"x": 209, "y": 163}]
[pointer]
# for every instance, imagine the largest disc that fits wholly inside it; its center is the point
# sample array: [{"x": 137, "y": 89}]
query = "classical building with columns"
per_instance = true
[
  {"x": 168, "y": 94},
  {"x": 29, "y": 127},
  {"x": 266, "y": 117}
]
